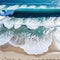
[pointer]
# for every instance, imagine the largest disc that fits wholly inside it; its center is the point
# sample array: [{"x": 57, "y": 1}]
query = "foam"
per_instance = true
[
  {"x": 1, "y": 17},
  {"x": 32, "y": 23},
  {"x": 14, "y": 7},
  {"x": 57, "y": 21},
  {"x": 23, "y": 6},
  {"x": 17, "y": 40},
  {"x": 2, "y": 6},
  {"x": 32, "y": 6},
  {"x": 35, "y": 45},
  {"x": 56, "y": 37},
  {"x": 18, "y": 23},
  {"x": 1, "y": 13},
  {"x": 32, "y": 43},
  {"x": 5, "y": 37},
  {"x": 49, "y": 22},
  {"x": 8, "y": 23},
  {"x": 42, "y": 7}
]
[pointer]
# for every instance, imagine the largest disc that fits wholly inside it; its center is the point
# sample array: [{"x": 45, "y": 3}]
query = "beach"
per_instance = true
[{"x": 8, "y": 52}]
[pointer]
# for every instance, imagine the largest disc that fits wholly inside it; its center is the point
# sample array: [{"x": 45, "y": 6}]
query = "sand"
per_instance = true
[{"x": 8, "y": 52}]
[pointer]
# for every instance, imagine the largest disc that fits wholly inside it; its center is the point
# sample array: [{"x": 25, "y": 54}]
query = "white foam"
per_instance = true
[
  {"x": 18, "y": 23},
  {"x": 32, "y": 23},
  {"x": 57, "y": 21},
  {"x": 2, "y": 6},
  {"x": 33, "y": 49},
  {"x": 1, "y": 17},
  {"x": 8, "y": 23},
  {"x": 5, "y": 37},
  {"x": 33, "y": 44},
  {"x": 14, "y": 7},
  {"x": 18, "y": 40},
  {"x": 56, "y": 37},
  {"x": 32, "y": 6},
  {"x": 23, "y": 6},
  {"x": 42, "y": 7},
  {"x": 49, "y": 22}
]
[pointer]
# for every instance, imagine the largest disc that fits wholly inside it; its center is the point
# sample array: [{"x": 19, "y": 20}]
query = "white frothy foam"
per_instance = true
[
  {"x": 32, "y": 6},
  {"x": 32, "y": 43},
  {"x": 35, "y": 45},
  {"x": 13, "y": 7},
  {"x": 57, "y": 22},
  {"x": 2, "y": 6},
  {"x": 8, "y": 23},
  {"x": 18, "y": 23},
  {"x": 18, "y": 40},
  {"x": 32, "y": 23},
  {"x": 42, "y": 7},
  {"x": 49, "y": 22},
  {"x": 1, "y": 17},
  {"x": 23, "y": 6},
  {"x": 56, "y": 37},
  {"x": 5, "y": 37}
]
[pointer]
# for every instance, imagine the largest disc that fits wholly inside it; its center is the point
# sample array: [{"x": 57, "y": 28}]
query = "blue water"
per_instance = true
[
  {"x": 47, "y": 3},
  {"x": 31, "y": 2},
  {"x": 39, "y": 31}
]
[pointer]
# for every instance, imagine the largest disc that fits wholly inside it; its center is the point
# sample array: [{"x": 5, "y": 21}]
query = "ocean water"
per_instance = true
[
  {"x": 31, "y": 2},
  {"x": 8, "y": 7},
  {"x": 32, "y": 34}
]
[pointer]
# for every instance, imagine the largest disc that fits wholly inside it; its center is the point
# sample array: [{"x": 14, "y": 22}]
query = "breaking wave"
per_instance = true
[{"x": 34, "y": 35}]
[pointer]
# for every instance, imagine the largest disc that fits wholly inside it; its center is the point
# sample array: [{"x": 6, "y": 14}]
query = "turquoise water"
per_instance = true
[
  {"x": 31, "y": 2},
  {"x": 35, "y": 33},
  {"x": 39, "y": 31},
  {"x": 51, "y": 6}
]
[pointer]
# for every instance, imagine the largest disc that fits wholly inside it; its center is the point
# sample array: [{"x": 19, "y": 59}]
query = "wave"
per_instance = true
[
  {"x": 30, "y": 39},
  {"x": 5, "y": 36},
  {"x": 33, "y": 35},
  {"x": 30, "y": 23},
  {"x": 56, "y": 37}
]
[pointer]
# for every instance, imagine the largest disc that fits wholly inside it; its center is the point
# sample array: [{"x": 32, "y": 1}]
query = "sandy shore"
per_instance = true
[{"x": 8, "y": 52}]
